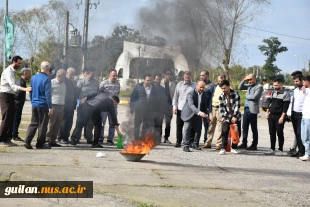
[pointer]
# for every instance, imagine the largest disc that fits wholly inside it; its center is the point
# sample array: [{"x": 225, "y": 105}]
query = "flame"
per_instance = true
[{"x": 142, "y": 146}]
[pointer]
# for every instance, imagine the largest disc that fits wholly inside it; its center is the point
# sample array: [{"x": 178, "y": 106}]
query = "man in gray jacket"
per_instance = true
[
  {"x": 195, "y": 108},
  {"x": 251, "y": 109}
]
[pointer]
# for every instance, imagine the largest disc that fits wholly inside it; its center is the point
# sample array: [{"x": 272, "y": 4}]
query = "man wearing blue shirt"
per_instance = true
[{"x": 41, "y": 101}]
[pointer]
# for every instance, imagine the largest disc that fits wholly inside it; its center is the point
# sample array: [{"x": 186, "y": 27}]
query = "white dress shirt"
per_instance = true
[
  {"x": 297, "y": 101},
  {"x": 148, "y": 91},
  {"x": 8, "y": 84},
  {"x": 306, "y": 108}
]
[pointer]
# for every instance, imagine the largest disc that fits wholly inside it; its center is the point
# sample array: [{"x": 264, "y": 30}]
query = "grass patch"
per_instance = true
[
  {"x": 146, "y": 205},
  {"x": 126, "y": 93},
  {"x": 242, "y": 97},
  {"x": 3, "y": 150}
]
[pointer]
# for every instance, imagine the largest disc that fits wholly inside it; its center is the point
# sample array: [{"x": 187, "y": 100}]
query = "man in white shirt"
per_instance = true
[
  {"x": 7, "y": 98},
  {"x": 295, "y": 113},
  {"x": 58, "y": 101},
  {"x": 305, "y": 123},
  {"x": 266, "y": 85}
]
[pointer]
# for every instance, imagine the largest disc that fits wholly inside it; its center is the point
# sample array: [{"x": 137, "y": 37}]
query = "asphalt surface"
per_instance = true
[{"x": 167, "y": 176}]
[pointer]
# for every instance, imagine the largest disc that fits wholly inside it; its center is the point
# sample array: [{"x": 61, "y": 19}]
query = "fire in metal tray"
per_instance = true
[{"x": 138, "y": 148}]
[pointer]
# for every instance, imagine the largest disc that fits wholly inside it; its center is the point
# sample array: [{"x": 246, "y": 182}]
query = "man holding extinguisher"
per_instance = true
[{"x": 230, "y": 114}]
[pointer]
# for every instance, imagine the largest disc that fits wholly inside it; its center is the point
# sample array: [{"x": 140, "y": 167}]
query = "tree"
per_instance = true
[
  {"x": 228, "y": 18},
  {"x": 271, "y": 50},
  {"x": 183, "y": 23}
]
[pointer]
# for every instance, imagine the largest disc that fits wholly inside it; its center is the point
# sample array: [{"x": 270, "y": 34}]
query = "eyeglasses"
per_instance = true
[{"x": 168, "y": 73}]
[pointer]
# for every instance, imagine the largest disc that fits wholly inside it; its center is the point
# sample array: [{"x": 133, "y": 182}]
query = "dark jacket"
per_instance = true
[
  {"x": 20, "y": 96},
  {"x": 158, "y": 99},
  {"x": 70, "y": 99},
  {"x": 279, "y": 102},
  {"x": 102, "y": 102},
  {"x": 139, "y": 101},
  {"x": 191, "y": 105}
]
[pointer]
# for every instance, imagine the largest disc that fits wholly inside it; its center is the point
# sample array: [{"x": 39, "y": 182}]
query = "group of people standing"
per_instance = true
[
  {"x": 209, "y": 105},
  {"x": 153, "y": 102},
  {"x": 54, "y": 101}
]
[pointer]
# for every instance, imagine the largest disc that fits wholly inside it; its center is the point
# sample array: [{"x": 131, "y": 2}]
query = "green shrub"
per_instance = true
[{"x": 126, "y": 93}]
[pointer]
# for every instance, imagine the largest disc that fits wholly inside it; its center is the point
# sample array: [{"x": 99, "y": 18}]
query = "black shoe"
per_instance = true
[
  {"x": 292, "y": 151},
  {"x": 186, "y": 149},
  {"x": 177, "y": 145},
  {"x": 110, "y": 142},
  {"x": 43, "y": 147},
  {"x": 196, "y": 147},
  {"x": 100, "y": 141},
  {"x": 17, "y": 139},
  {"x": 64, "y": 142},
  {"x": 167, "y": 141},
  {"x": 73, "y": 141},
  {"x": 297, "y": 154},
  {"x": 96, "y": 146},
  {"x": 54, "y": 145},
  {"x": 89, "y": 141},
  {"x": 252, "y": 147},
  {"x": 242, "y": 146},
  {"x": 28, "y": 146}
]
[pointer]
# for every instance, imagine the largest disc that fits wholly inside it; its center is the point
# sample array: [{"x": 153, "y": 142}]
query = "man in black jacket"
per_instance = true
[
  {"x": 195, "y": 108},
  {"x": 92, "y": 109},
  {"x": 158, "y": 104},
  {"x": 69, "y": 107},
  {"x": 20, "y": 98},
  {"x": 279, "y": 102},
  {"x": 142, "y": 103}
]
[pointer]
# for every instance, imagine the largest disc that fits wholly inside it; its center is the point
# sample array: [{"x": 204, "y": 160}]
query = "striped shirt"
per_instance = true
[
  {"x": 110, "y": 88},
  {"x": 234, "y": 104}
]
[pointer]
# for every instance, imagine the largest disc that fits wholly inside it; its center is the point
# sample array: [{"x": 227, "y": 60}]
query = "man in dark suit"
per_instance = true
[
  {"x": 69, "y": 107},
  {"x": 160, "y": 99},
  {"x": 195, "y": 108},
  {"x": 144, "y": 103},
  {"x": 20, "y": 98}
]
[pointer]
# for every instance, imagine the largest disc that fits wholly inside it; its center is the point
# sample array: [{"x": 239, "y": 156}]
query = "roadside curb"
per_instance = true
[{"x": 124, "y": 102}]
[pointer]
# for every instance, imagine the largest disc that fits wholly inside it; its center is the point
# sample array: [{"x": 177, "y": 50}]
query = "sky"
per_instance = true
[{"x": 289, "y": 17}]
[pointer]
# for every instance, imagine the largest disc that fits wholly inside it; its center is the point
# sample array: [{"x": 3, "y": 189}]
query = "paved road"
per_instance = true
[{"x": 166, "y": 177}]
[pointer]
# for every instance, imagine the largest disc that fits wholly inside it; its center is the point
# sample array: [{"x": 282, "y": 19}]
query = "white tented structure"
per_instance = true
[{"x": 134, "y": 50}]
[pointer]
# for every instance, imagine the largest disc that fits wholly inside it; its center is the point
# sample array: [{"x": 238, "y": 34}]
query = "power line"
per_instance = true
[
  {"x": 278, "y": 33},
  {"x": 281, "y": 40},
  {"x": 245, "y": 25}
]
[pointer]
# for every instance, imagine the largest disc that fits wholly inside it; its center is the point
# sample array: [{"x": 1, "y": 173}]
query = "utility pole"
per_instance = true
[
  {"x": 85, "y": 34},
  {"x": 66, "y": 44},
  {"x": 6, "y": 12},
  {"x": 88, "y": 5}
]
